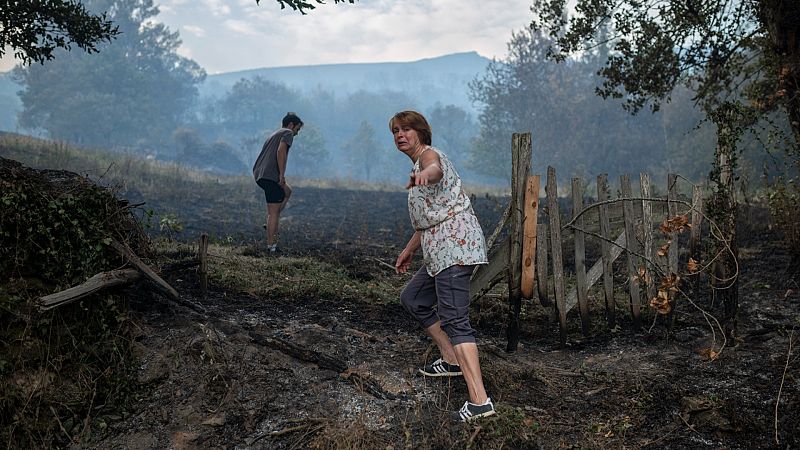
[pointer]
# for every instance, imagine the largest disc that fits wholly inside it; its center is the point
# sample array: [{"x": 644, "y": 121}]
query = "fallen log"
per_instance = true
[{"x": 94, "y": 284}]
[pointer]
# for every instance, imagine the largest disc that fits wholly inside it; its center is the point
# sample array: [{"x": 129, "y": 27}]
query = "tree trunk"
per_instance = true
[{"x": 781, "y": 19}]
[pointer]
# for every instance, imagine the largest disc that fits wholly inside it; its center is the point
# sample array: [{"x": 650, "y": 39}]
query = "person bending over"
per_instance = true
[{"x": 269, "y": 171}]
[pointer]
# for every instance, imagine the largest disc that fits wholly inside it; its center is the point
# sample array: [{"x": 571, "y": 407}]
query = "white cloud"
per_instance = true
[
  {"x": 369, "y": 31},
  {"x": 216, "y": 7},
  {"x": 195, "y": 30},
  {"x": 241, "y": 27}
]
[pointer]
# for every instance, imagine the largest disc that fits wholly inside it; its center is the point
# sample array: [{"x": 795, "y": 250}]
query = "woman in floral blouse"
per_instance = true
[{"x": 452, "y": 244}]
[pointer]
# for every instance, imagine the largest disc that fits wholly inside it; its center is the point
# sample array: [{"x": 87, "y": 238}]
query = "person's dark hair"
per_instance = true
[
  {"x": 414, "y": 120},
  {"x": 291, "y": 118}
]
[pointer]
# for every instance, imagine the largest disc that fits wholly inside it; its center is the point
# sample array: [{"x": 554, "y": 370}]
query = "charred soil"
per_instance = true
[{"x": 305, "y": 371}]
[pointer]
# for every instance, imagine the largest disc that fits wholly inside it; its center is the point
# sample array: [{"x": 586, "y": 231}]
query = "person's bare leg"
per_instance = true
[
  {"x": 467, "y": 355},
  {"x": 287, "y": 193},
  {"x": 442, "y": 341},
  {"x": 273, "y": 214}
]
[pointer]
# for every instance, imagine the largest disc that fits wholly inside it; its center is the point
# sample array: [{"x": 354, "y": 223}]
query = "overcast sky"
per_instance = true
[{"x": 224, "y": 36}]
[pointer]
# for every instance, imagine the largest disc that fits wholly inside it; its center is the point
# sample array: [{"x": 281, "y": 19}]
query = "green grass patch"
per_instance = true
[{"x": 284, "y": 277}]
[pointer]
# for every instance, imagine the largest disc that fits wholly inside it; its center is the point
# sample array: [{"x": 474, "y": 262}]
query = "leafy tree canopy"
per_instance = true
[
  {"x": 133, "y": 93},
  {"x": 302, "y": 5},
  {"x": 33, "y": 30},
  {"x": 721, "y": 48}
]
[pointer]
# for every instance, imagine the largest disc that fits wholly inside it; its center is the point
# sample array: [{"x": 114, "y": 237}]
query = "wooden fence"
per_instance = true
[{"x": 646, "y": 231}]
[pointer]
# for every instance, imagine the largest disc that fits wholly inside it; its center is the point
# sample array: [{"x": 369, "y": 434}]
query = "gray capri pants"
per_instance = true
[{"x": 448, "y": 291}]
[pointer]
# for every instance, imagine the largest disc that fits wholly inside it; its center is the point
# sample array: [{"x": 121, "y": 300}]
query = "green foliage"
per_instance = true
[
  {"x": 303, "y": 5},
  {"x": 309, "y": 154},
  {"x": 59, "y": 368},
  {"x": 720, "y": 48},
  {"x": 363, "y": 153},
  {"x": 34, "y": 30},
  {"x": 52, "y": 236},
  {"x": 255, "y": 103},
  {"x": 170, "y": 225},
  {"x": 784, "y": 203},
  {"x": 572, "y": 128},
  {"x": 132, "y": 94},
  {"x": 453, "y": 128},
  {"x": 288, "y": 277}
]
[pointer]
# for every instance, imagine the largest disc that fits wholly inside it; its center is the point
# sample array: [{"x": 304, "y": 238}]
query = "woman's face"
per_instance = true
[{"x": 405, "y": 138}]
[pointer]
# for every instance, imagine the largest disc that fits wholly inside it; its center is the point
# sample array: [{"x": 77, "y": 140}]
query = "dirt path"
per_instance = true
[{"x": 307, "y": 373}]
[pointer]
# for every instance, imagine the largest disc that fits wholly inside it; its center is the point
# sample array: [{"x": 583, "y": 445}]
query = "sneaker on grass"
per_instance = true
[
  {"x": 470, "y": 411},
  {"x": 440, "y": 368}
]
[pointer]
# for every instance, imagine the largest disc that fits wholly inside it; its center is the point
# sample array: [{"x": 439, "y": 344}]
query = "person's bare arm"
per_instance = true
[
  {"x": 430, "y": 170},
  {"x": 404, "y": 259},
  {"x": 283, "y": 154}
]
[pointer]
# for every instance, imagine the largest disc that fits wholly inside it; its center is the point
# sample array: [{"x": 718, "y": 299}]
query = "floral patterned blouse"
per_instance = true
[{"x": 451, "y": 234}]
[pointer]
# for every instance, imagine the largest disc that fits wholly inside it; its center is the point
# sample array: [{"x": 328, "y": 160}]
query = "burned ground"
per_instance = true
[{"x": 320, "y": 371}]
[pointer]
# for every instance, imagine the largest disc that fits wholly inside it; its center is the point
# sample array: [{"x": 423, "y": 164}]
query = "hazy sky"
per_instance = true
[{"x": 224, "y": 36}]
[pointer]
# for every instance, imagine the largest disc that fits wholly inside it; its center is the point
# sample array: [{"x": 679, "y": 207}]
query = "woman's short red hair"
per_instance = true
[{"x": 414, "y": 120}]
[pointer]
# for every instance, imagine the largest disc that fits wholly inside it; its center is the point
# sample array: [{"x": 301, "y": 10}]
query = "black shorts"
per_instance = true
[{"x": 272, "y": 190}]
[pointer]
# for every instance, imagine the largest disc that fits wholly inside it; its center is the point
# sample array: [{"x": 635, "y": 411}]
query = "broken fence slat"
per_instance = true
[
  {"x": 486, "y": 275},
  {"x": 596, "y": 271}
]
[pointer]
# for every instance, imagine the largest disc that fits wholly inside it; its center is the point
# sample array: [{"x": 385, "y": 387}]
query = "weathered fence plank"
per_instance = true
[
  {"x": 672, "y": 252},
  {"x": 647, "y": 231},
  {"x": 603, "y": 194},
  {"x": 555, "y": 245},
  {"x": 541, "y": 265},
  {"x": 630, "y": 239},
  {"x": 521, "y": 168},
  {"x": 580, "y": 256},
  {"x": 486, "y": 276},
  {"x": 672, "y": 208},
  {"x": 694, "y": 235}
]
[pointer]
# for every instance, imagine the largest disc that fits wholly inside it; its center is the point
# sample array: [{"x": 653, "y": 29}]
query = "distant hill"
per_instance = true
[{"x": 442, "y": 79}]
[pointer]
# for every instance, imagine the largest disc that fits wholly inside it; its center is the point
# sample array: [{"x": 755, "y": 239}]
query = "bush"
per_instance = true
[
  {"x": 56, "y": 367},
  {"x": 784, "y": 203}
]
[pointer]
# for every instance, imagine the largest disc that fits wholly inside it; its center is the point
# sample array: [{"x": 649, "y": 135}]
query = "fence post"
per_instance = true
[
  {"x": 520, "y": 169},
  {"x": 647, "y": 227},
  {"x": 694, "y": 236},
  {"x": 630, "y": 240},
  {"x": 541, "y": 265},
  {"x": 580, "y": 256},
  {"x": 605, "y": 231},
  {"x": 672, "y": 253},
  {"x": 555, "y": 245}
]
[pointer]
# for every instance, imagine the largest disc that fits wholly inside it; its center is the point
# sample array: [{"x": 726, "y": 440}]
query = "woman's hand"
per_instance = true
[
  {"x": 404, "y": 261},
  {"x": 421, "y": 178}
]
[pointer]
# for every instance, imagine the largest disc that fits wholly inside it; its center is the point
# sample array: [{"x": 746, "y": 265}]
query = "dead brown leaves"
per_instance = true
[
  {"x": 668, "y": 286},
  {"x": 675, "y": 224}
]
